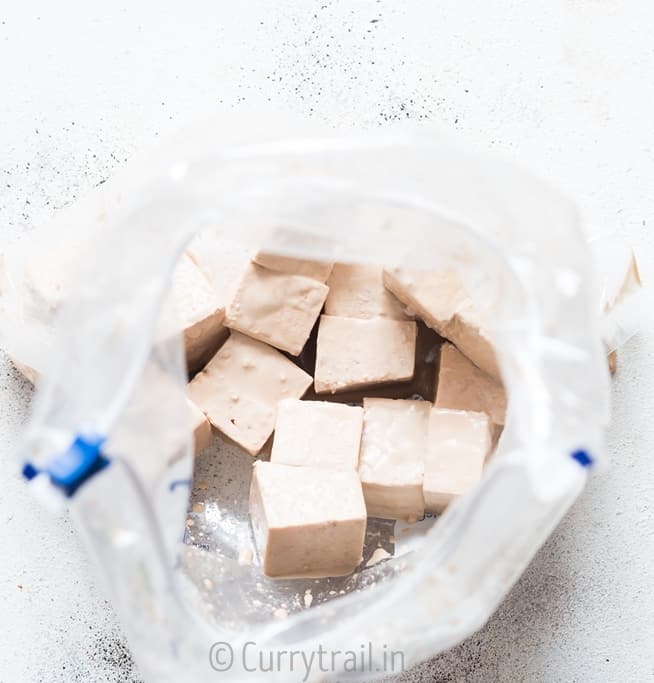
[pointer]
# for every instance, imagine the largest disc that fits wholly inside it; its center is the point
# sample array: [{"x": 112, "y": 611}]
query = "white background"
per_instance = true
[{"x": 565, "y": 87}]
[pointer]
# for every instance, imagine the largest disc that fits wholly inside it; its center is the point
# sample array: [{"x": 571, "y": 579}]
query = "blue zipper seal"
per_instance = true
[
  {"x": 70, "y": 469},
  {"x": 583, "y": 458}
]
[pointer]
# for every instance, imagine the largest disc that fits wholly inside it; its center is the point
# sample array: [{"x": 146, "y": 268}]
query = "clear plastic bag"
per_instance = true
[{"x": 112, "y": 368}]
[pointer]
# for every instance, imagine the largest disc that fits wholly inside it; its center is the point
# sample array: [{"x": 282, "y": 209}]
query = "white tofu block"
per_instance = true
[
  {"x": 432, "y": 296},
  {"x": 317, "y": 270},
  {"x": 458, "y": 442},
  {"x": 222, "y": 258},
  {"x": 200, "y": 312},
  {"x": 240, "y": 388},
  {"x": 393, "y": 448},
  {"x": 201, "y": 427},
  {"x": 202, "y": 434},
  {"x": 441, "y": 301},
  {"x": 276, "y": 308},
  {"x": 307, "y": 522},
  {"x": 357, "y": 291},
  {"x": 317, "y": 434},
  {"x": 471, "y": 337},
  {"x": 152, "y": 430},
  {"x": 463, "y": 386},
  {"x": 353, "y": 353},
  {"x": 50, "y": 276}
]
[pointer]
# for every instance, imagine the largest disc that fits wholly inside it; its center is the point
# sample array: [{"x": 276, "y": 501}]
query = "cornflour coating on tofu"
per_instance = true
[
  {"x": 307, "y": 522},
  {"x": 353, "y": 353},
  {"x": 432, "y": 296},
  {"x": 463, "y": 386},
  {"x": 241, "y": 386},
  {"x": 440, "y": 299},
  {"x": 276, "y": 308},
  {"x": 391, "y": 460},
  {"x": 357, "y": 291},
  {"x": 458, "y": 443},
  {"x": 199, "y": 311},
  {"x": 471, "y": 337},
  {"x": 317, "y": 270},
  {"x": 317, "y": 434}
]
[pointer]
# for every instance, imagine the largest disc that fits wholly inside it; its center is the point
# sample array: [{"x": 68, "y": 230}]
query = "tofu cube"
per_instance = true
[
  {"x": 222, "y": 257},
  {"x": 200, "y": 312},
  {"x": 431, "y": 295},
  {"x": 202, "y": 434},
  {"x": 155, "y": 424},
  {"x": 317, "y": 434},
  {"x": 440, "y": 299},
  {"x": 393, "y": 448},
  {"x": 199, "y": 308},
  {"x": 353, "y": 353},
  {"x": 463, "y": 386},
  {"x": 357, "y": 291},
  {"x": 276, "y": 308},
  {"x": 316, "y": 270},
  {"x": 307, "y": 522},
  {"x": 458, "y": 442},
  {"x": 240, "y": 388},
  {"x": 470, "y": 336}
]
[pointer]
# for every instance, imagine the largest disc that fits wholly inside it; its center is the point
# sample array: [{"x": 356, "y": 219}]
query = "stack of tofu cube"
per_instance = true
[
  {"x": 334, "y": 464},
  {"x": 250, "y": 324},
  {"x": 251, "y": 327}
]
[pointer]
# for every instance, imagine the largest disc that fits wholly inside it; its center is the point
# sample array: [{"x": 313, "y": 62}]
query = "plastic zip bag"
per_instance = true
[{"x": 112, "y": 370}]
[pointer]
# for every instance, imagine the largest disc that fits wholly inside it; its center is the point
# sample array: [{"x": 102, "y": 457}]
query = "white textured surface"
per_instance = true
[{"x": 564, "y": 87}]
